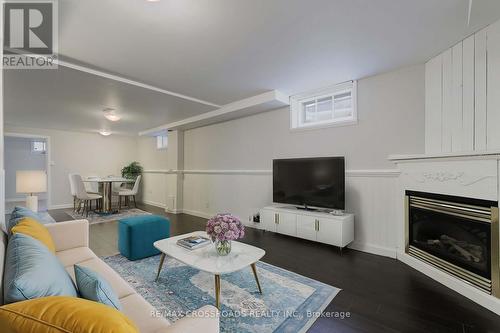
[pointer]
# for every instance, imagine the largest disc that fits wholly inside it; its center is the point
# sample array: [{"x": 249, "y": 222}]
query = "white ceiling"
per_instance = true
[
  {"x": 225, "y": 50},
  {"x": 74, "y": 100}
]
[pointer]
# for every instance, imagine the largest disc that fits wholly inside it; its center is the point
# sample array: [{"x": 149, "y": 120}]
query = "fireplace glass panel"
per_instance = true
[{"x": 461, "y": 241}]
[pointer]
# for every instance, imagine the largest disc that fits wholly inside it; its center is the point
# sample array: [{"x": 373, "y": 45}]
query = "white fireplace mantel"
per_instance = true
[{"x": 466, "y": 174}]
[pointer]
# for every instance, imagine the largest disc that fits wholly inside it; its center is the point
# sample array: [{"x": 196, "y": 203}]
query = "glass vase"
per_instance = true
[{"x": 223, "y": 247}]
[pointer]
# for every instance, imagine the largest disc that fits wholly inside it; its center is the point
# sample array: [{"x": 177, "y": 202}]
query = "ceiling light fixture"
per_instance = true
[
  {"x": 112, "y": 117},
  {"x": 105, "y": 133},
  {"x": 110, "y": 114}
]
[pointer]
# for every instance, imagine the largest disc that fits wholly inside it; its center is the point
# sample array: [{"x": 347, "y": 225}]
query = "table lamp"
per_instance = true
[{"x": 30, "y": 182}]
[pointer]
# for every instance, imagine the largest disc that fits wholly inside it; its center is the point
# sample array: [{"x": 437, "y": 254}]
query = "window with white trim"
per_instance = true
[
  {"x": 332, "y": 106},
  {"x": 38, "y": 147},
  {"x": 162, "y": 141}
]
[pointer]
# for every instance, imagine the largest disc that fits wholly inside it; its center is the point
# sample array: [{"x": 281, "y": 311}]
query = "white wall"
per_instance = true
[
  {"x": 227, "y": 165},
  {"x": 391, "y": 120},
  {"x": 18, "y": 156},
  {"x": 154, "y": 162},
  {"x": 84, "y": 153}
]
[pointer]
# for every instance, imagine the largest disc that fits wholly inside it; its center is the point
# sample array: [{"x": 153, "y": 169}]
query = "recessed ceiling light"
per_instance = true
[
  {"x": 110, "y": 114},
  {"x": 105, "y": 133},
  {"x": 112, "y": 117}
]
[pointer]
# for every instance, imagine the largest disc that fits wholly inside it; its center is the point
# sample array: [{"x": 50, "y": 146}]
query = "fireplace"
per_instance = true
[{"x": 457, "y": 235}]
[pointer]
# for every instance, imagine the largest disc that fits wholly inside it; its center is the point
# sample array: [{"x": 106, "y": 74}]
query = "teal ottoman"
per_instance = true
[{"x": 137, "y": 234}]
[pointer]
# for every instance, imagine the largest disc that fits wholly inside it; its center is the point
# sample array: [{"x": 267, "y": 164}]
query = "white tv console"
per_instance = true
[{"x": 317, "y": 226}]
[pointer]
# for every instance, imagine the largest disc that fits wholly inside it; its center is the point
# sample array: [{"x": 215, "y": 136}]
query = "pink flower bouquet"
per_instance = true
[{"x": 222, "y": 229}]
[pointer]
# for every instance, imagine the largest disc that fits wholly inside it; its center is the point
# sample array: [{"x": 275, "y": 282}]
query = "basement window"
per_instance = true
[
  {"x": 162, "y": 141},
  {"x": 38, "y": 147},
  {"x": 332, "y": 106}
]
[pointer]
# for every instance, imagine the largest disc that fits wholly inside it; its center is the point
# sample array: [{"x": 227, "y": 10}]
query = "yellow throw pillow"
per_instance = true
[
  {"x": 58, "y": 314},
  {"x": 31, "y": 227}
]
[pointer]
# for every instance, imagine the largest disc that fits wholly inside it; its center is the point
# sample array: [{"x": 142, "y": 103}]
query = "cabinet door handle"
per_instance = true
[
  {"x": 278, "y": 216},
  {"x": 318, "y": 224},
  {"x": 275, "y": 218}
]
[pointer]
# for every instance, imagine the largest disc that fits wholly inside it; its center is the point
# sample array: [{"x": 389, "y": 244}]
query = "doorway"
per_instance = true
[{"x": 24, "y": 152}]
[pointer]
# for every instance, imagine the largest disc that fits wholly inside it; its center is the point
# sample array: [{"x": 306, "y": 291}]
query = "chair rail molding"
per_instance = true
[
  {"x": 349, "y": 173},
  {"x": 166, "y": 172}
]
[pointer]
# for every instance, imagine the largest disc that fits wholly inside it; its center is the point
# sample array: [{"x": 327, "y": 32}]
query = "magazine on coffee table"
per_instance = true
[{"x": 193, "y": 242}]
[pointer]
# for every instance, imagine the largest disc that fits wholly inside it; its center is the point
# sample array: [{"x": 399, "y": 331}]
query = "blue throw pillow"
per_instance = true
[
  {"x": 21, "y": 212},
  {"x": 95, "y": 288},
  {"x": 32, "y": 271}
]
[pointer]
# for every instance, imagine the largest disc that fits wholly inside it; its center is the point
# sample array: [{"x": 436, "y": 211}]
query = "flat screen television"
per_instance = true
[{"x": 310, "y": 182}]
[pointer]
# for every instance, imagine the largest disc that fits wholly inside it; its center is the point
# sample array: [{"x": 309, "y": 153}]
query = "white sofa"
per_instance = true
[{"x": 71, "y": 239}]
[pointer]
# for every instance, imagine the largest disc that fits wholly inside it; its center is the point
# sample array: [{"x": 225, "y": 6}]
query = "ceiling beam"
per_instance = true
[{"x": 267, "y": 101}]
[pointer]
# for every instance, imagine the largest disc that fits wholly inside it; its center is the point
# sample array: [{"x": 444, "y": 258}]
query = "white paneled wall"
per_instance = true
[
  {"x": 462, "y": 101},
  {"x": 456, "y": 111},
  {"x": 375, "y": 227},
  {"x": 368, "y": 195},
  {"x": 493, "y": 86},
  {"x": 206, "y": 194},
  {"x": 467, "y": 130},
  {"x": 480, "y": 90},
  {"x": 447, "y": 100},
  {"x": 153, "y": 188},
  {"x": 244, "y": 193},
  {"x": 433, "y": 105}
]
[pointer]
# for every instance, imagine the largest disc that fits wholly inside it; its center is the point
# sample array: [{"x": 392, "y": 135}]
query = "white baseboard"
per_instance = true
[
  {"x": 374, "y": 249},
  {"x": 175, "y": 211},
  {"x": 154, "y": 203},
  {"x": 490, "y": 302},
  {"x": 196, "y": 213}
]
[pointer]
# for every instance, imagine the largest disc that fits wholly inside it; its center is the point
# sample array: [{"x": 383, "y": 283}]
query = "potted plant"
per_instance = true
[
  {"x": 132, "y": 170},
  {"x": 222, "y": 229}
]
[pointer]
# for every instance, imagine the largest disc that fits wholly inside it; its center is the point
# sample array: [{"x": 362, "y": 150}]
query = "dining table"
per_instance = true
[{"x": 106, "y": 184}]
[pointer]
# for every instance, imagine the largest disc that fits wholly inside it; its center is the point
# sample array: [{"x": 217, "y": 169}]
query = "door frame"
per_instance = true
[{"x": 48, "y": 159}]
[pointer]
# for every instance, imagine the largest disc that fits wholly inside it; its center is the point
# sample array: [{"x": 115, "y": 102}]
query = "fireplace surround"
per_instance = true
[
  {"x": 460, "y": 180},
  {"x": 457, "y": 235}
]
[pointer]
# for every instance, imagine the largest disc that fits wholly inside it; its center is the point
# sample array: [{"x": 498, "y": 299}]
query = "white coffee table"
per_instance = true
[{"x": 206, "y": 258}]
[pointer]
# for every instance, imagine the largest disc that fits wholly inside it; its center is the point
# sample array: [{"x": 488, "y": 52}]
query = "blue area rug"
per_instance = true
[{"x": 289, "y": 303}]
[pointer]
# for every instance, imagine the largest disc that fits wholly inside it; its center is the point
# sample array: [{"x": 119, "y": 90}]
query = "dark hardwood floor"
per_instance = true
[{"x": 380, "y": 294}]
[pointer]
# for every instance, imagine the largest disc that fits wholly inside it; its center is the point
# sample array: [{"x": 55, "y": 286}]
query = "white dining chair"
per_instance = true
[
  {"x": 117, "y": 186},
  {"x": 92, "y": 187},
  {"x": 83, "y": 196},
  {"x": 127, "y": 193}
]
